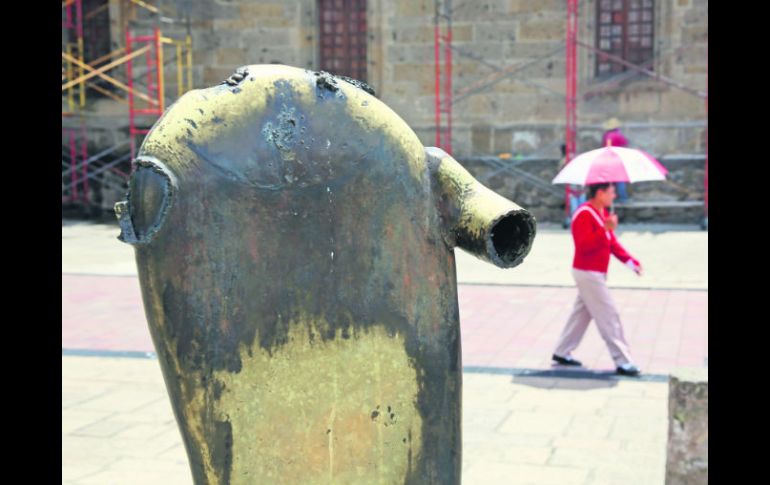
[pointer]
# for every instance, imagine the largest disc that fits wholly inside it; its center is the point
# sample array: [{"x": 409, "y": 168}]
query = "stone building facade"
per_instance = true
[{"x": 522, "y": 114}]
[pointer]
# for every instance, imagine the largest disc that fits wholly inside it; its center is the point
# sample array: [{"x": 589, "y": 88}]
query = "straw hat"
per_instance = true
[{"x": 611, "y": 124}]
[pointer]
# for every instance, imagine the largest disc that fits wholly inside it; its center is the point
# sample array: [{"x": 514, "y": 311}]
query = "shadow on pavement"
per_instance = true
[{"x": 564, "y": 378}]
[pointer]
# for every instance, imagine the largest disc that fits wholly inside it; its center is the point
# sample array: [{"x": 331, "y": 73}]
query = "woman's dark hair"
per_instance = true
[{"x": 592, "y": 189}]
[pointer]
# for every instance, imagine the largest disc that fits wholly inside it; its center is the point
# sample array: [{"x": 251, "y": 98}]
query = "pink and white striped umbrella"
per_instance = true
[{"x": 611, "y": 164}]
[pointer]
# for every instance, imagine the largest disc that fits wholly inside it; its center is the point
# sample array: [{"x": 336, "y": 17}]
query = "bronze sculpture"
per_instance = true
[{"x": 294, "y": 244}]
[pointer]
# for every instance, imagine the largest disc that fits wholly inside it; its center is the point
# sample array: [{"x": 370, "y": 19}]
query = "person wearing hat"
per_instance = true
[
  {"x": 576, "y": 193},
  {"x": 592, "y": 231},
  {"x": 613, "y": 137}
]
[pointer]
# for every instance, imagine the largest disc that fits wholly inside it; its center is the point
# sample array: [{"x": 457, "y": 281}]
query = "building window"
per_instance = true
[
  {"x": 625, "y": 29},
  {"x": 342, "y": 24}
]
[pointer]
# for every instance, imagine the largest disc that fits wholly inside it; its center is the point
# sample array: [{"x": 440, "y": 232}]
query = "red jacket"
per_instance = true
[{"x": 593, "y": 243}]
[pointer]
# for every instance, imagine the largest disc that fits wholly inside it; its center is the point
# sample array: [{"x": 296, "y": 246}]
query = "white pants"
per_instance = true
[{"x": 594, "y": 301}]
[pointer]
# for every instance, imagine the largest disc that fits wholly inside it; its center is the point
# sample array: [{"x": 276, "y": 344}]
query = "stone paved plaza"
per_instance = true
[{"x": 524, "y": 422}]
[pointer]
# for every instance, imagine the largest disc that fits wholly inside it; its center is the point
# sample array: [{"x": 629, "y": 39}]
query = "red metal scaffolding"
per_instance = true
[
  {"x": 571, "y": 93},
  {"x": 443, "y": 75},
  {"x": 154, "y": 69},
  {"x": 79, "y": 74},
  {"x": 70, "y": 137},
  {"x": 78, "y": 156},
  {"x": 706, "y": 177},
  {"x": 443, "y": 82},
  {"x": 73, "y": 24}
]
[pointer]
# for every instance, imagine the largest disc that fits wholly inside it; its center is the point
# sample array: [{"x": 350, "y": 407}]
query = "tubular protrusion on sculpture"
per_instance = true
[
  {"x": 476, "y": 218},
  {"x": 150, "y": 194}
]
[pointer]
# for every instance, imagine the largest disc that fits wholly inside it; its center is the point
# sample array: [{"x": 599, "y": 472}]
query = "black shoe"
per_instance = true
[
  {"x": 628, "y": 370},
  {"x": 566, "y": 360}
]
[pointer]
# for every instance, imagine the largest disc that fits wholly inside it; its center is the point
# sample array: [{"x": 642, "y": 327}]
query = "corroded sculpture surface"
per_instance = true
[{"x": 294, "y": 241}]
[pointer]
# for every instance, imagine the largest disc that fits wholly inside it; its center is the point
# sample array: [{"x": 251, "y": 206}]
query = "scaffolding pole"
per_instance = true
[
  {"x": 705, "y": 223},
  {"x": 81, "y": 48},
  {"x": 571, "y": 95},
  {"x": 155, "y": 82},
  {"x": 443, "y": 104},
  {"x": 76, "y": 153}
]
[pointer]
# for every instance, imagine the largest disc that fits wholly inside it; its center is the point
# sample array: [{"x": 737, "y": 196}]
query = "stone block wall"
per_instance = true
[
  {"x": 521, "y": 114},
  {"x": 685, "y": 182}
]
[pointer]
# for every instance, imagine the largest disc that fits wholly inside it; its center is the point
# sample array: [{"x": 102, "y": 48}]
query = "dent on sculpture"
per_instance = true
[{"x": 294, "y": 242}]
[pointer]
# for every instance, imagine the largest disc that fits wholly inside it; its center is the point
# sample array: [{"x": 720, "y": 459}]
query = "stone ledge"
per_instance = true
[
  {"x": 687, "y": 453},
  {"x": 645, "y": 204}
]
